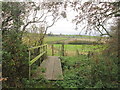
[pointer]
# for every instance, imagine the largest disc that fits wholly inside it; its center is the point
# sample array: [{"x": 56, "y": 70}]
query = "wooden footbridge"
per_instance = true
[{"x": 48, "y": 66}]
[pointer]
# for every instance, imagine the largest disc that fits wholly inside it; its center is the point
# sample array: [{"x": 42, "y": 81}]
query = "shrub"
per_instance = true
[{"x": 15, "y": 59}]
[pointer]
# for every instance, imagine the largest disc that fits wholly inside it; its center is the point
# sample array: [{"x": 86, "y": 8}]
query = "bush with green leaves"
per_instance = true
[
  {"x": 98, "y": 71},
  {"x": 104, "y": 72},
  {"x": 14, "y": 52},
  {"x": 15, "y": 59},
  {"x": 76, "y": 71}
]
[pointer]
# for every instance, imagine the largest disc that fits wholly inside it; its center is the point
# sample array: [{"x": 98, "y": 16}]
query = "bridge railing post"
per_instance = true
[
  {"x": 29, "y": 65},
  {"x": 39, "y": 58},
  {"x": 46, "y": 50},
  {"x": 39, "y": 53}
]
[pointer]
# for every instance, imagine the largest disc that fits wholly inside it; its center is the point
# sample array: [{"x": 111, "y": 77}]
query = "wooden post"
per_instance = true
[
  {"x": 62, "y": 49},
  {"x": 39, "y": 58},
  {"x": 29, "y": 65},
  {"x": 37, "y": 53},
  {"x": 52, "y": 50},
  {"x": 77, "y": 52},
  {"x": 45, "y": 51}
]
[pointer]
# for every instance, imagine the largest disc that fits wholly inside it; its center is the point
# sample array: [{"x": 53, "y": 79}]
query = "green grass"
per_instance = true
[
  {"x": 30, "y": 39},
  {"x": 50, "y": 39},
  {"x": 71, "y": 49},
  {"x": 80, "y": 47},
  {"x": 85, "y": 36}
]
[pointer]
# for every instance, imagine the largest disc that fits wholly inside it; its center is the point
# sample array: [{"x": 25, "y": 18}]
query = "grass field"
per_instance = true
[
  {"x": 30, "y": 40},
  {"x": 71, "y": 50},
  {"x": 53, "y": 39}
]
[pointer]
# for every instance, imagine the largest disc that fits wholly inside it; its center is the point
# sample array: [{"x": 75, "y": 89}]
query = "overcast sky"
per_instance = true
[{"x": 65, "y": 25}]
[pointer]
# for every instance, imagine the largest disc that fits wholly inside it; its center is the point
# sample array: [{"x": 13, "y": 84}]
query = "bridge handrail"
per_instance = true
[
  {"x": 37, "y": 47},
  {"x": 42, "y": 52}
]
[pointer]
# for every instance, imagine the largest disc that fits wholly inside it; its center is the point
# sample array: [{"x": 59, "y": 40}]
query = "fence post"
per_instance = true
[
  {"x": 62, "y": 49},
  {"x": 77, "y": 52},
  {"x": 52, "y": 50}
]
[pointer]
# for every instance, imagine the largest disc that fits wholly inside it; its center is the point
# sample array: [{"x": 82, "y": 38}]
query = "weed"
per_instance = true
[{"x": 43, "y": 70}]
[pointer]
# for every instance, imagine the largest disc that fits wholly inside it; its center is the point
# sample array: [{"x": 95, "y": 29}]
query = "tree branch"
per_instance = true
[
  {"x": 99, "y": 24},
  {"x": 107, "y": 33},
  {"x": 113, "y": 13}
]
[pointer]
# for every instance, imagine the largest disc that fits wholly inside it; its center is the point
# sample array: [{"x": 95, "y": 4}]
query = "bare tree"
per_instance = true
[
  {"x": 43, "y": 15},
  {"x": 95, "y": 15},
  {"x": 92, "y": 15}
]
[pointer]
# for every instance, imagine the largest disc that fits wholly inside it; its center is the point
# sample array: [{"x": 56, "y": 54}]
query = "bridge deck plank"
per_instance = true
[{"x": 53, "y": 70}]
